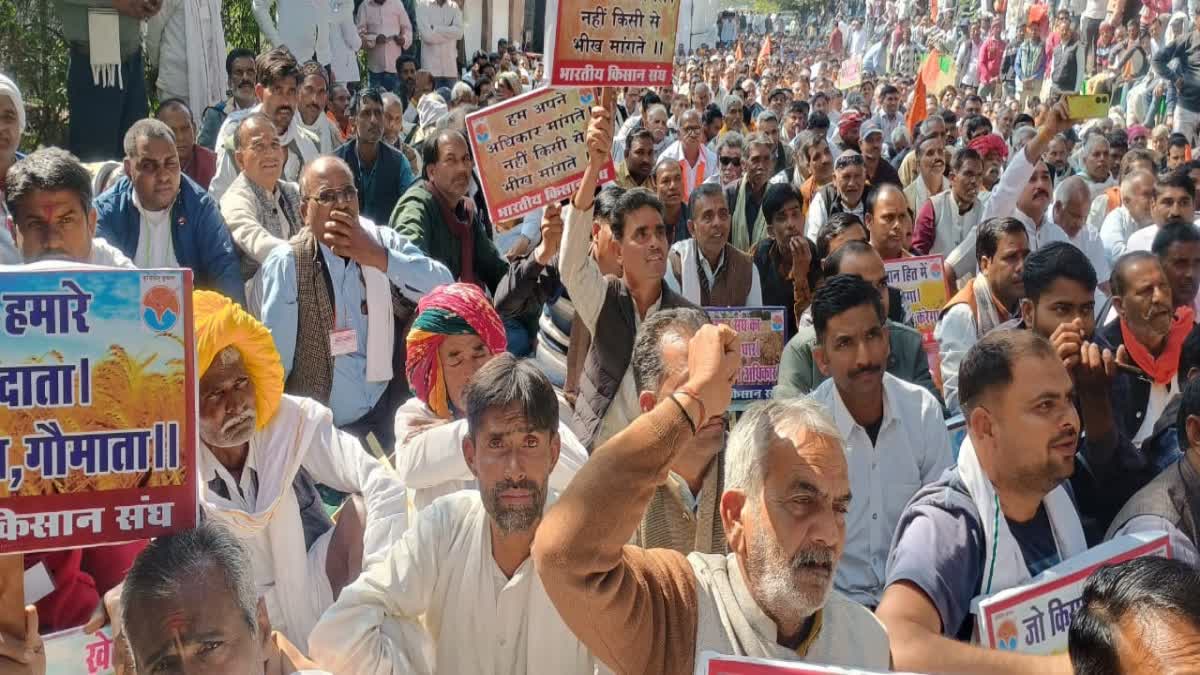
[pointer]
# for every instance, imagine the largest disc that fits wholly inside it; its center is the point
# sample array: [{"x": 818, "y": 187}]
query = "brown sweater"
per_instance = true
[{"x": 634, "y": 608}]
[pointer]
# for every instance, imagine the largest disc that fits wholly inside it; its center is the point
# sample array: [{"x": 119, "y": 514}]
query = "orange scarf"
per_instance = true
[{"x": 1162, "y": 368}]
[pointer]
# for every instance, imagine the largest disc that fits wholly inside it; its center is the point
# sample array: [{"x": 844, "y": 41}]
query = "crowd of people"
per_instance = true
[{"x": 524, "y": 426}]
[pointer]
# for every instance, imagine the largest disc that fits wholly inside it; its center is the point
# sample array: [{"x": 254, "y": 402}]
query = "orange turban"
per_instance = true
[{"x": 220, "y": 323}]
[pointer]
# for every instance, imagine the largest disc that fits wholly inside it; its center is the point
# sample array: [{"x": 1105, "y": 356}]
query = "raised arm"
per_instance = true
[{"x": 619, "y": 599}]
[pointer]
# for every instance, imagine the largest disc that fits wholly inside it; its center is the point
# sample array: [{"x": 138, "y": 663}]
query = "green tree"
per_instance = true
[{"x": 34, "y": 55}]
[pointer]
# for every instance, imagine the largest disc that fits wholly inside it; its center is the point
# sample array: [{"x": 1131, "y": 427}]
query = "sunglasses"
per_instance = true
[{"x": 735, "y": 161}]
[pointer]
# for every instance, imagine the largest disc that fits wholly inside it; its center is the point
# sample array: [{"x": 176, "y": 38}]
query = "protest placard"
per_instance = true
[
  {"x": 850, "y": 74},
  {"x": 923, "y": 290},
  {"x": 762, "y": 332},
  {"x": 530, "y": 150},
  {"x": 1035, "y": 618},
  {"x": 711, "y": 663},
  {"x": 625, "y": 43},
  {"x": 97, "y": 406},
  {"x": 71, "y": 652}
]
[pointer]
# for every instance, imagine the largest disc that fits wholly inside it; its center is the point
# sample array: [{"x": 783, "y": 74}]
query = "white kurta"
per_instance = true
[
  {"x": 439, "y": 604},
  {"x": 267, "y": 519},
  {"x": 431, "y": 462}
]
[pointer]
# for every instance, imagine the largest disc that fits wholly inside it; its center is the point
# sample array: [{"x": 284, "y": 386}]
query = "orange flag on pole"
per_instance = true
[
  {"x": 738, "y": 53},
  {"x": 917, "y": 111},
  {"x": 764, "y": 56}
]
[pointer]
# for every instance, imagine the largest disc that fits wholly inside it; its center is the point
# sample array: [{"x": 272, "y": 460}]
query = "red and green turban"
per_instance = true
[{"x": 454, "y": 309}]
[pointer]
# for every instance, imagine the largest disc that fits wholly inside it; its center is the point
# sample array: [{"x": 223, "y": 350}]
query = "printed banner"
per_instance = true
[
  {"x": 711, "y": 663},
  {"x": 619, "y": 44},
  {"x": 850, "y": 74},
  {"x": 762, "y": 332},
  {"x": 97, "y": 406},
  {"x": 923, "y": 290},
  {"x": 530, "y": 150},
  {"x": 1035, "y": 618},
  {"x": 71, "y": 652}
]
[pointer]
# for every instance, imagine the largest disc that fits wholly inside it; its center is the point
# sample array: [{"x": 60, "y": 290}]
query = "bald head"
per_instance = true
[
  {"x": 1072, "y": 199},
  {"x": 1137, "y": 195},
  {"x": 327, "y": 194}
]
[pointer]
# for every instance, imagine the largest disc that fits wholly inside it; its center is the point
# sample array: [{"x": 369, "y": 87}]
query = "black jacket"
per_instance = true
[{"x": 380, "y": 188}]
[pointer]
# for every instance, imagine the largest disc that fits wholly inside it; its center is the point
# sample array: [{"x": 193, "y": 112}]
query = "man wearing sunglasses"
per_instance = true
[{"x": 334, "y": 299}]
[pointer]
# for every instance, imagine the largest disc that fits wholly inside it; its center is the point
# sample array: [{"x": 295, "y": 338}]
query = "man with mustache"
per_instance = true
[
  {"x": 608, "y": 399},
  {"x": 696, "y": 160},
  {"x": 895, "y": 435},
  {"x": 787, "y": 491},
  {"x": 48, "y": 194},
  {"x": 1152, "y": 329},
  {"x": 381, "y": 173},
  {"x": 438, "y": 215},
  {"x": 458, "y": 593},
  {"x": 998, "y": 518},
  {"x": 947, "y": 217},
  {"x": 749, "y": 225},
  {"x": 847, "y": 193},
  {"x": 262, "y": 455},
  {"x": 312, "y": 98},
  {"x": 160, "y": 218},
  {"x": 240, "y": 72},
  {"x": 889, "y": 222},
  {"x": 337, "y": 298},
  {"x": 637, "y": 168},
  {"x": 984, "y": 303},
  {"x": 931, "y": 166},
  {"x": 705, "y": 268},
  {"x": 1134, "y": 213},
  {"x": 1024, "y": 192},
  {"x": 261, "y": 209},
  {"x": 685, "y": 512},
  {"x": 277, "y": 90},
  {"x": 799, "y": 373}
]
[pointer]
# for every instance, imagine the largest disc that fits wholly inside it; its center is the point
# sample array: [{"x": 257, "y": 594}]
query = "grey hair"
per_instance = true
[
  {"x": 146, "y": 128},
  {"x": 1021, "y": 137},
  {"x": 759, "y": 138},
  {"x": 648, "y": 367},
  {"x": 1069, "y": 187},
  {"x": 461, "y": 91},
  {"x": 252, "y": 117},
  {"x": 746, "y": 449},
  {"x": 900, "y": 135},
  {"x": 767, "y": 115},
  {"x": 734, "y": 140},
  {"x": 506, "y": 380},
  {"x": 389, "y": 98},
  {"x": 1128, "y": 181},
  {"x": 171, "y": 563},
  {"x": 654, "y": 107},
  {"x": 928, "y": 125}
]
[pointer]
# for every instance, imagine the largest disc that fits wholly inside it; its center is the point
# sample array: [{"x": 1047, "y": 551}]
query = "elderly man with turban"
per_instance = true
[
  {"x": 12, "y": 125},
  {"x": 456, "y": 331},
  {"x": 262, "y": 454}
]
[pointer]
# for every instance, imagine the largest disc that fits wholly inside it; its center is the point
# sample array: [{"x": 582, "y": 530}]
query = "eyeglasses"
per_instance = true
[
  {"x": 735, "y": 161},
  {"x": 848, "y": 159},
  {"x": 689, "y": 130},
  {"x": 333, "y": 197}
]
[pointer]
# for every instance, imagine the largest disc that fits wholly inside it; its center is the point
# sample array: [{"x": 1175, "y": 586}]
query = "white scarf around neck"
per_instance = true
[
  {"x": 1003, "y": 563},
  {"x": 380, "y": 324}
]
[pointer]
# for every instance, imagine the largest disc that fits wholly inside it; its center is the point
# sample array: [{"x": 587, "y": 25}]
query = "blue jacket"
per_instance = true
[
  {"x": 379, "y": 191},
  {"x": 198, "y": 233}
]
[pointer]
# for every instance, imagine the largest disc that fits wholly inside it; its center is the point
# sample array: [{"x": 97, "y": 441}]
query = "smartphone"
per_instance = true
[{"x": 1087, "y": 106}]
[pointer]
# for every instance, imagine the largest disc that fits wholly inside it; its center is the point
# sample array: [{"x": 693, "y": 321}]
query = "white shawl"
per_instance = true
[
  {"x": 380, "y": 324},
  {"x": 1003, "y": 564},
  {"x": 205, "y": 63}
]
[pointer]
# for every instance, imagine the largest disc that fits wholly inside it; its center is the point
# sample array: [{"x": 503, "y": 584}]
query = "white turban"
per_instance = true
[{"x": 9, "y": 88}]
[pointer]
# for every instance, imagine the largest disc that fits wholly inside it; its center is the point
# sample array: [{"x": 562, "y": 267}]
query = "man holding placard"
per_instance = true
[{"x": 999, "y": 518}]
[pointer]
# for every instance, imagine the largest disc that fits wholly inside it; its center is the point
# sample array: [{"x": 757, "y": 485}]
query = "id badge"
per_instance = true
[{"x": 343, "y": 341}]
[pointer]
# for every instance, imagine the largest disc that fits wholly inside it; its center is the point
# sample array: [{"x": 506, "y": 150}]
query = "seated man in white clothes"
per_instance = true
[
  {"x": 49, "y": 196},
  {"x": 262, "y": 454},
  {"x": 1134, "y": 213},
  {"x": 896, "y": 439},
  {"x": 456, "y": 331},
  {"x": 706, "y": 268},
  {"x": 458, "y": 593}
]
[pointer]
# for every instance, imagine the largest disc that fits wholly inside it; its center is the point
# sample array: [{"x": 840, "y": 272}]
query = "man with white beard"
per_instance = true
[{"x": 787, "y": 491}]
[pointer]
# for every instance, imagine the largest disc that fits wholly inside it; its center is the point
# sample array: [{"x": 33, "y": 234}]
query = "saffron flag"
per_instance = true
[
  {"x": 937, "y": 71},
  {"x": 933, "y": 10},
  {"x": 764, "y": 56},
  {"x": 917, "y": 111}
]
